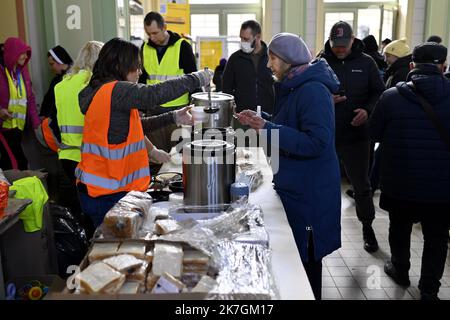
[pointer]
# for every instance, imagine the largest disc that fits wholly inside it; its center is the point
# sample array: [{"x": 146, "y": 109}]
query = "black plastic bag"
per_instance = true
[{"x": 71, "y": 241}]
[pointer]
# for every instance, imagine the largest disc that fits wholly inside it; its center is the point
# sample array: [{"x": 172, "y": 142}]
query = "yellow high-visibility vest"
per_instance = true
[
  {"x": 17, "y": 103},
  {"x": 168, "y": 69},
  {"x": 70, "y": 118},
  {"x": 31, "y": 188}
]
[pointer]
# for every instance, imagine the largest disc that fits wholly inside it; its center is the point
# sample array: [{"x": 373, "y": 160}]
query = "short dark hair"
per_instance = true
[
  {"x": 154, "y": 16},
  {"x": 253, "y": 25},
  {"x": 386, "y": 41},
  {"x": 117, "y": 58},
  {"x": 436, "y": 39}
]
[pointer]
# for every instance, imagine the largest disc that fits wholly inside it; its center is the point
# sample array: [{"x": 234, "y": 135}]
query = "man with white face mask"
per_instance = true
[{"x": 246, "y": 75}]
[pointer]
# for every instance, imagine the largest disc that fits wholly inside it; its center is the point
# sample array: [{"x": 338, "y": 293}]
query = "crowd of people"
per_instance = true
[
  {"x": 330, "y": 113},
  {"x": 110, "y": 112}
]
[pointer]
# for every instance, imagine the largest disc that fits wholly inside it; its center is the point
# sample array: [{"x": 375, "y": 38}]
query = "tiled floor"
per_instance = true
[{"x": 352, "y": 273}]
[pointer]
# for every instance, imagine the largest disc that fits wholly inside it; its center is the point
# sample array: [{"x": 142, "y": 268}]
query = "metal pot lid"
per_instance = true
[
  {"x": 213, "y": 131},
  {"x": 211, "y": 145},
  {"x": 215, "y": 96}
]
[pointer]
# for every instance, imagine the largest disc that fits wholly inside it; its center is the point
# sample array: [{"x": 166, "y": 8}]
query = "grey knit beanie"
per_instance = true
[{"x": 290, "y": 48}]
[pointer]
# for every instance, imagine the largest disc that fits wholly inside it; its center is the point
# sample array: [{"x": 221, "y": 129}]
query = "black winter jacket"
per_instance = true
[
  {"x": 371, "y": 48},
  {"x": 415, "y": 163},
  {"x": 48, "y": 106},
  {"x": 397, "y": 72},
  {"x": 250, "y": 87},
  {"x": 361, "y": 84}
]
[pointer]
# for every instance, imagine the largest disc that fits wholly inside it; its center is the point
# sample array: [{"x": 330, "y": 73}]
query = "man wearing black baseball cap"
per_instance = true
[
  {"x": 361, "y": 86},
  {"x": 412, "y": 121}
]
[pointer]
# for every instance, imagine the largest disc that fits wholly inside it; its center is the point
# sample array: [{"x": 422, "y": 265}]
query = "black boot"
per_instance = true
[
  {"x": 370, "y": 241},
  {"x": 400, "y": 278}
]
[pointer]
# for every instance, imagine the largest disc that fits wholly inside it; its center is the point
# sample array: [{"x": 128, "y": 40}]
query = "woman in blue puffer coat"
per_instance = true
[{"x": 308, "y": 179}]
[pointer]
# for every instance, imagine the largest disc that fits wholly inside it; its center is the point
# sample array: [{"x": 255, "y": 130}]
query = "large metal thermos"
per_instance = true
[
  {"x": 219, "y": 107},
  {"x": 208, "y": 172}
]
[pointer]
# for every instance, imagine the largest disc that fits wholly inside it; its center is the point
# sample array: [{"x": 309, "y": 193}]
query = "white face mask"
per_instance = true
[{"x": 247, "y": 47}]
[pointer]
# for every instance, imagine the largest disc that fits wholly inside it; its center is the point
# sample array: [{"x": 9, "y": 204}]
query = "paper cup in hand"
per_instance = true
[{"x": 198, "y": 115}]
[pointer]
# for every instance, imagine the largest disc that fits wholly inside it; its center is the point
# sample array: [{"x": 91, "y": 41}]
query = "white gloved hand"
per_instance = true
[
  {"x": 204, "y": 77},
  {"x": 183, "y": 117},
  {"x": 159, "y": 156}
]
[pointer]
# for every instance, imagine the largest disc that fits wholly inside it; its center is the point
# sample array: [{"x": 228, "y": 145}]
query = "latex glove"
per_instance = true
[
  {"x": 360, "y": 118},
  {"x": 159, "y": 156},
  {"x": 204, "y": 77},
  {"x": 183, "y": 117},
  {"x": 5, "y": 115}
]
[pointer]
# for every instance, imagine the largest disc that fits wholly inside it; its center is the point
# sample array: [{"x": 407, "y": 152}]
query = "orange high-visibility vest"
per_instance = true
[
  {"x": 46, "y": 137},
  {"x": 111, "y": 168}
]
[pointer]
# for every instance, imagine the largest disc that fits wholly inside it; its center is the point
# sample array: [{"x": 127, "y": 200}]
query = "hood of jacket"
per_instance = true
[
  {"x": 317, "y": 71},
  {"x": 400, "y": 63},
  {"x": 357, "y": 51},
  {"x": 13, "y": 48},
  {"x": 370, "y": 43},
  {"x": 429, "y": 81}
]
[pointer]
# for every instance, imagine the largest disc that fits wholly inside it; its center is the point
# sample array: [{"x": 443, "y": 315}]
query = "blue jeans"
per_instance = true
[{"x": 96, "y": 208}]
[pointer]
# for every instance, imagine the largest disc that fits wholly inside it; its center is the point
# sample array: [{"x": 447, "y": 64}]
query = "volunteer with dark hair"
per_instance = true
[
  {"x": 415, "y": 166},
  {"x": 60, "y": 62},
  {"x": 361, "y": 86},
  {"x": 115, "y": 152},
  {"x": 308, "y": 181},
  {"x": 165, "y": 56},
  {"x": 17, "y": 103}
]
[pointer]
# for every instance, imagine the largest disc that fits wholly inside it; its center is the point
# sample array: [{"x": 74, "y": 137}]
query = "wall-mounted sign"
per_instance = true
[
  {"x": 72, "y": 24},
  {"x": 74, "y": 17},
  {"x": 177, "y": 15}
]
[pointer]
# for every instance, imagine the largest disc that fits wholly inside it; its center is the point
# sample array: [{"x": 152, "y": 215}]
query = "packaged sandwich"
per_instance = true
[
  {"x": 206, "y": 284},
  {"x": 138, "y": 201},
  {"x": 100, "y": 278},
  {"x": 167, "y": 258},
  {"x": 168, "y": 284},
  {"x": 163, "y": 227},
  {"x": 102, "y": 251},
  {"x": 124, "y": 263},
  {"x": 138, "y": 273},
  {"x": 136, "y": 249},
  {"x": 123, "y": 222},
  {"x": 130, "y": 287}
]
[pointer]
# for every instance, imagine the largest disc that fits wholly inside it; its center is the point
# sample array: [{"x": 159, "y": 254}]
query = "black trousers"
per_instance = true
[
  {"x": 72, "y": 200},
  {"x": 14, "y": 139},
  {"x": 435, "y": 224},
  {"x": 313, "y": 270},
  {"x": 355, "y": 159}
]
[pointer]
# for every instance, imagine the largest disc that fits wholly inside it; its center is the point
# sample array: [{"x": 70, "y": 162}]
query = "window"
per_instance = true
[
  {"x": 369, "y": 23},
  {"x": 204, "y": 25},
  {"x": 367, "y": 17},
  {"x": 228, "y": 18}
]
